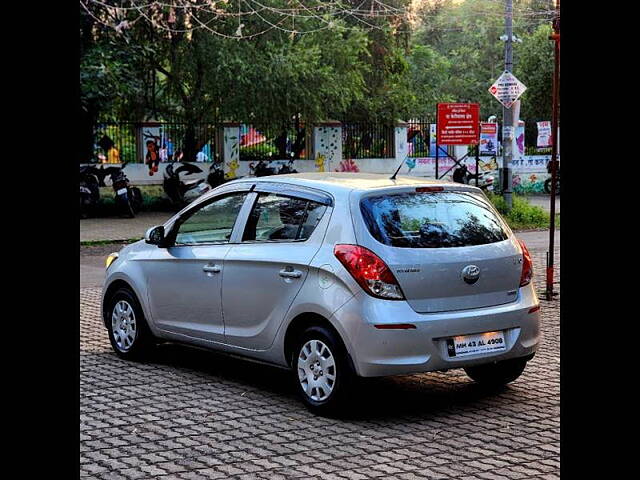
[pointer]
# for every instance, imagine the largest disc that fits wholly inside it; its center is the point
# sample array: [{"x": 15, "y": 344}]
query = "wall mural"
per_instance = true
[{"x": 347, "y": 165}]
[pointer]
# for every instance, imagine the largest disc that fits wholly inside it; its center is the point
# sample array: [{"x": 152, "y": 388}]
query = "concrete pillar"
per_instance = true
[
  {"x": 327, "y": 145},
  {"x": 230, "y": 148},
  {"x": 400, "y": 141}
]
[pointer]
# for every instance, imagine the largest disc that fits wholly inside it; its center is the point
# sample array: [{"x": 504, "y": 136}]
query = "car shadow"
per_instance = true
[{"x": 400, "y": 398}]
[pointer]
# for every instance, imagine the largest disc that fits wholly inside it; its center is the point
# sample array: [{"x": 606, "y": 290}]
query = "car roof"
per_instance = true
[{"x": 339, "y": 182}]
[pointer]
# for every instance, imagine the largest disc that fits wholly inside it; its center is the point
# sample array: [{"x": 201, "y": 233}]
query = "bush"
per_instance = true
[{"x": 522, "y": 214}]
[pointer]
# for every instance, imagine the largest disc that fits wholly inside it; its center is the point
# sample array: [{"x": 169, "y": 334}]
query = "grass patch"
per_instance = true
[
  {"x": 99, "y": 243},
  {"x": 522, "y": 216}
]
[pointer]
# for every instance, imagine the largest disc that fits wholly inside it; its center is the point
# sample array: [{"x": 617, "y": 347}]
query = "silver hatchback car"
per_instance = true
[{"x": 332, "y": 275}]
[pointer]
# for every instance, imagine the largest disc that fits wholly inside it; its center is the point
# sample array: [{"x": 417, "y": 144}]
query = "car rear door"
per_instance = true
[
  {"x": 449, "y": 250},
  {"x": 265, "y": 271}
]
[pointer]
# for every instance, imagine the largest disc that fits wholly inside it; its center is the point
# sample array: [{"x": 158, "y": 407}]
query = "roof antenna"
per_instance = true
[{"x": 393, "y": 177}]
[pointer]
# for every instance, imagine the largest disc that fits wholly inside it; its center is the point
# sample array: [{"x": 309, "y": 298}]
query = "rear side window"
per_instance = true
[
  {"x": 282, "y": 218},
  {"x": 432, "y": 219}
]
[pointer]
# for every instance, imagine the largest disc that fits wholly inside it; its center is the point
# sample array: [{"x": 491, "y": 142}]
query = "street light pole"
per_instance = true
[
  {"x": 507, "y": 113},
  {"x": 554, "y": 149}
]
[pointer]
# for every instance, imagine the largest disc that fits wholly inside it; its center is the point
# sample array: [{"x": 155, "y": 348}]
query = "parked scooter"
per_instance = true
[
  {"x": 178, "y": 190},
  {"x": 90, "y": 180},
  {"x": 128, "y": 199},
  {"x": 216, "y": 175},
  {"x": 287, "y": 167}
]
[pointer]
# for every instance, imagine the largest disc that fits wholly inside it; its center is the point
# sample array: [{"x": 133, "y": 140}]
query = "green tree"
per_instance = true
[{"x": 535, "y": 70}]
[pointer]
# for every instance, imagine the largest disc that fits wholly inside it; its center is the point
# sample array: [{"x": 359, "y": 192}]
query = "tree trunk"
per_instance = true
[{"x": 87, "y": 122}]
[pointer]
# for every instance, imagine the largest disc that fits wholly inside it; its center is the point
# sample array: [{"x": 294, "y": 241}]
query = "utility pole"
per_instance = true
[
  {"x": 555, "y": 37},
  {"x": 507, "y": 113}
]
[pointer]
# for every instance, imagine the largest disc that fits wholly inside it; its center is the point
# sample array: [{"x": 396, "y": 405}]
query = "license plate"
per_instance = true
[
  {"x": 122, "y": 191},
  {"x": 464, "y": 345}
]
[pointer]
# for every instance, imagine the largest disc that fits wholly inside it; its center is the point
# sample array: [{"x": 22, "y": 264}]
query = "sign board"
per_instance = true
[
  {"x": 458, "y": 124},
  {"x": 544, "y": 134},
  {"x": 518, "y": 141},
  {"x": 507, "y": 89},
  {"x": 488, "y": 138}
]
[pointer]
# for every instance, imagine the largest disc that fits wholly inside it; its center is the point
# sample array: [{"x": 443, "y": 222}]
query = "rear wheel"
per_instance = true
[
  {"x": 129, "y": 333},
  {"x": 136, "y": 199},
  {"x": 321, "y": 371},
  {"x": 496, "y": 374}
]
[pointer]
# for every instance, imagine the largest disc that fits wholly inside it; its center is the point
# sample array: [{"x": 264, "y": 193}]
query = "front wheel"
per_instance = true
[
  {"x": 321, "y": 371},
  {"x": 497, "y": 374},
  {"x": 129, "y": 334}
]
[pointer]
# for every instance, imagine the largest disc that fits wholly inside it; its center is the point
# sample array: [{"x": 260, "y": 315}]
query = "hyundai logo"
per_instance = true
[{"x": 470, "y": 274}]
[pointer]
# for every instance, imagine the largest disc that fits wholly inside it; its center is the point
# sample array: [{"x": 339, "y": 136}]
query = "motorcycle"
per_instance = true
[
  {"x": 262, "y": 169},
  {"x": 462, "y": 175},
  {"x": 128, "y": 199},
  {"x": 178, "y": 190},
  {"x": 547, "y": 182},
  {"x": 91, "y": 178}
]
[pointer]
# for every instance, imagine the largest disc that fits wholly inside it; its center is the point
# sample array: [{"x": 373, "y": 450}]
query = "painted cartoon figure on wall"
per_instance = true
[
  {"x": 233, "y": 166},
  {"x": 347, "y": 165}
]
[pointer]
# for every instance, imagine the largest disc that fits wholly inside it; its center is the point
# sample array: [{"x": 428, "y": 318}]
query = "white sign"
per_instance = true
[
  {"x": 507, "y": 89},
  {"x": 544, "y": 134}
]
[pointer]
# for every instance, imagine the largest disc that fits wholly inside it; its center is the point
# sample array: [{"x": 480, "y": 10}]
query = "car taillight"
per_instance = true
[
  {"x": 527, "y": 265},
  {"x": 371, "y": 273}
]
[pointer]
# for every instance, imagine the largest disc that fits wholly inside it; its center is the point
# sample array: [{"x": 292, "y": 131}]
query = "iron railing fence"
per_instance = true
[
  {"x": 367, "y": 140},
  {"x": 275, "y": 142},
  {"x": 116, "y": 142},
  {"x": 418, "y": 135}
]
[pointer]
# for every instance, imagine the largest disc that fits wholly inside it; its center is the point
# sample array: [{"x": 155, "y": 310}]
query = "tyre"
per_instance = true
[
  {"x": 497, "y": 374},
  {"x": 321, "y": 370},
  {"x": 136, "y": 199},
  {"x": 129, "y": 333},
  {"x": 547, "y": 186}
]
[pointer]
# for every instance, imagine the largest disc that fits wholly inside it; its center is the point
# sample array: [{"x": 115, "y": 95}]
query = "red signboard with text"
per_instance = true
[{"x": 458, "y": 123}]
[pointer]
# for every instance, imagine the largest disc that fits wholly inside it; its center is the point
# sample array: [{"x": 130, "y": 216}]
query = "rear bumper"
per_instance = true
[{"x": 377, "y": 352}]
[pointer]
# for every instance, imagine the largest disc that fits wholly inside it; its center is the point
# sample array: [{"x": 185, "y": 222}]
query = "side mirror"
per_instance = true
[{"x": 155, "y": 235}]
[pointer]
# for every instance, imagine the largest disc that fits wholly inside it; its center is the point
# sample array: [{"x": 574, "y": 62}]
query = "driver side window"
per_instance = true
[{"x": 211, "y": 223}]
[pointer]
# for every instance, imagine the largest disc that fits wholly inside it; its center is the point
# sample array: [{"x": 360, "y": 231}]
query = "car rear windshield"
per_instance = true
[{"x": 432, "y": 219}]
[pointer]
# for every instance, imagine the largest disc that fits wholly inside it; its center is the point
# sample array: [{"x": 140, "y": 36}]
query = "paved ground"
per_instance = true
[{"x": 190, "y": 414}]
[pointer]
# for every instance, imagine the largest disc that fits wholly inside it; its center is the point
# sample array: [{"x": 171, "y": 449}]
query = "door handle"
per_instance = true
[
  {"x": 211, "y": 268},
  {"x": 290, "y": 273}
]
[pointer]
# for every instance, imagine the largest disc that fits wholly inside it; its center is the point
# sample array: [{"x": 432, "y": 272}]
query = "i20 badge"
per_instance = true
[{"x": 470, "y": 274}]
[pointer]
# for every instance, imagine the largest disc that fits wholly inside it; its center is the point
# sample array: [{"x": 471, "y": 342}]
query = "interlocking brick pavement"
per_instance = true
[{"x": 192, "y": 414}]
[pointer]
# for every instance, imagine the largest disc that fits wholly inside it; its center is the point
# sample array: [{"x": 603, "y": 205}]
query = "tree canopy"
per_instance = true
[{"x": 270, "y": 60}]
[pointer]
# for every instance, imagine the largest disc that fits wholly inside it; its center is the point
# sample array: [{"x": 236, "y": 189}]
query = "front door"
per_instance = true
[
  {"x": 264, "y": 273},
  {"x": 185, "y": 279}
]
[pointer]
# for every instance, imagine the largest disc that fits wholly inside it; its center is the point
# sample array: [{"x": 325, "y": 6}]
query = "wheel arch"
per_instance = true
[
  {"x": 110, "y": 290},
  {"x": 303, "y": 321}
]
